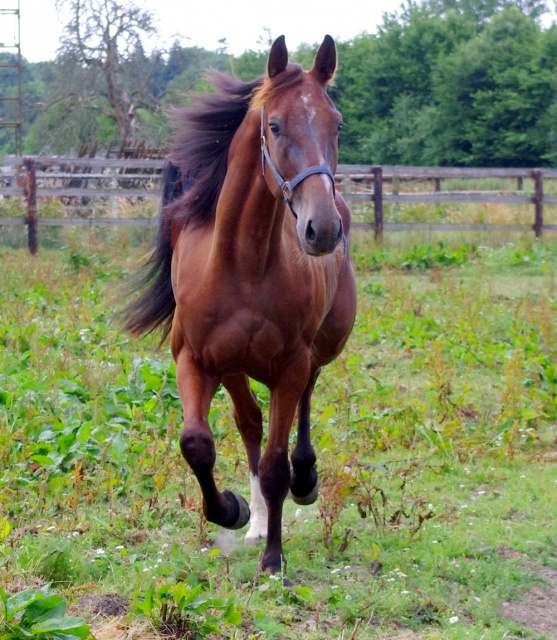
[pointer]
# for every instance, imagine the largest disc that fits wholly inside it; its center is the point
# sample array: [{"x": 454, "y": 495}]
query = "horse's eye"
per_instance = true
[
  {"x": 274, "y": 128},
  {"x": 340, "y": 125}
]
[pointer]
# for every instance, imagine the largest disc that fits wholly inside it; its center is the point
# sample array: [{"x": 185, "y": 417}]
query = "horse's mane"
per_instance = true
[{"x": 204, "y": 132}]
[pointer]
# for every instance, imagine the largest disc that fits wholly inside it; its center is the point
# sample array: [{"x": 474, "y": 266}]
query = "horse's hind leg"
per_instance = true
[
  {"x": 304, "y": 485},
  {"x": 196, "y": 389},
  {"x": 249, "y": 421}
]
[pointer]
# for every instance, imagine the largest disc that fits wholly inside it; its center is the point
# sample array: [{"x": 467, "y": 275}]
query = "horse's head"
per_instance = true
[{"x": 299, "y": 139}]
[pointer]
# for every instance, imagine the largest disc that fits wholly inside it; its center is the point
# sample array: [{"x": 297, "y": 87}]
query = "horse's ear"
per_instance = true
[
  {"x": 278, "y": 57},
  {"x": 325, "y": 61}
]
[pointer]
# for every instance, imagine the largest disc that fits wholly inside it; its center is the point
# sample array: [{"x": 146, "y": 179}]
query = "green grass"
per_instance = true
[{"x": 435, "y": 434}]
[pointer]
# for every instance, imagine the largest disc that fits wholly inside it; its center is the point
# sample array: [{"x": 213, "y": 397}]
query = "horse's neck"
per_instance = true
[{"x": 249, "y": 219}]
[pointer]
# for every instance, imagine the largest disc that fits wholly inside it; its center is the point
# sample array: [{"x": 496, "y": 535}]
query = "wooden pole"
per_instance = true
[
  {"x": 31, "y": 195},
  {"x": 538, "y": 202},
  {"x": 378, "y": 203},
  {"x": 395, "y": 185}
]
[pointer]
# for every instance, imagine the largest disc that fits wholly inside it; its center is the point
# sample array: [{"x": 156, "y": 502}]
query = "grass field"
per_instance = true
[{"x": 436, "y": 435}]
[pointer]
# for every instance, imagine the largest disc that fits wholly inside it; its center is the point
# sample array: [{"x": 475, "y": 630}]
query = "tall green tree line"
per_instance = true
[{"x": 441, "y": 82}]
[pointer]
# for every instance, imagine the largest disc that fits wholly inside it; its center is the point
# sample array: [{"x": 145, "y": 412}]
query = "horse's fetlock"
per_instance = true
[{"x": 303, "y": 460}]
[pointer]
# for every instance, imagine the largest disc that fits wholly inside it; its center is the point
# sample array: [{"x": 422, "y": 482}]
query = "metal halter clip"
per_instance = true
[{"x": 287, "y": 192}]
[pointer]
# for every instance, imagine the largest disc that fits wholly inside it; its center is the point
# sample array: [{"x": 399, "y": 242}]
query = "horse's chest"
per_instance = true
[{"x": 248, "y": 336}]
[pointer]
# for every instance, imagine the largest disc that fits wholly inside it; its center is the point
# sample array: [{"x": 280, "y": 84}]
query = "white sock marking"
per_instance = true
[{"x": 258, "y": 520}]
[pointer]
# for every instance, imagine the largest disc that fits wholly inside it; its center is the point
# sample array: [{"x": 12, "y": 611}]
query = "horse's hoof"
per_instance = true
[
  {"x": 309, "y": 499},
  {"x": 254, "y": 540},
  {"x": 243, "y": 510},
  {"x": 257, "y": 532},
  {"x": 274, "y": 570}
]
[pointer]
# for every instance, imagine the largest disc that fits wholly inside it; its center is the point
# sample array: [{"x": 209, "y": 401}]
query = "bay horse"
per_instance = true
[{"x": 251, "y": 276}]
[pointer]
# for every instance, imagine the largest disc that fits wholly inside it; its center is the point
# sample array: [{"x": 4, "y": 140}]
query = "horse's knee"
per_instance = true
[
  {"x": 274, "y": 477},
  {"x": 198, "y": 448}
]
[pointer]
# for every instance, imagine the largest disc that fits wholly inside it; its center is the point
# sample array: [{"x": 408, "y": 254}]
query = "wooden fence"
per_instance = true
[{"x": 76, "y": 181}]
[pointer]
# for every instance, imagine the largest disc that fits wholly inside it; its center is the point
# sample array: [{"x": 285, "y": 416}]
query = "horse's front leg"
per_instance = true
[
  {"x": 196, "y": 389},
  {"x": 249, "y": 420},
  {"x": 304, "y": 486},
  {"x": 274, "y": 468}
]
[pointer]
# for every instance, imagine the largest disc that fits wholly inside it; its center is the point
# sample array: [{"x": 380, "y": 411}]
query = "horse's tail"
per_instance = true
[{"x": 154, "y": 306}]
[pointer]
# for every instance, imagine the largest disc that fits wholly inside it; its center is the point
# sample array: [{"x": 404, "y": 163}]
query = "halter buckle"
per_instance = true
[{"x": 287, "y": 192}]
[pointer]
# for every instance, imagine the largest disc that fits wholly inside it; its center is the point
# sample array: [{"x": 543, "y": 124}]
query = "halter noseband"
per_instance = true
[{"x": 288, "y": 186}]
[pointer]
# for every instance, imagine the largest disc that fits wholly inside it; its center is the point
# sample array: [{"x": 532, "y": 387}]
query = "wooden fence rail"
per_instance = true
[{"x": 85, "y": 178}]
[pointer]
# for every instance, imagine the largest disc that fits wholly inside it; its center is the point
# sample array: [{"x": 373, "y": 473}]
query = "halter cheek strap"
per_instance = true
[{"x": 288, "y": 186}]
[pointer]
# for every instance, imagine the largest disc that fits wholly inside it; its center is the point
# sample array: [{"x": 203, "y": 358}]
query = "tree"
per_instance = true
[
  {"x": 493, "y": 95},
  {"x": 480, "y": 11},
  {"x": 103, "y": 52},
  {"x": 377, "y": 71}
]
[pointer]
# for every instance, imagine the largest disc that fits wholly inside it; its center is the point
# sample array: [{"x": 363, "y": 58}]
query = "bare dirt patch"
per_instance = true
[
  {"x": 104, "y": 605},
  {"x": 538, "y": 611}
]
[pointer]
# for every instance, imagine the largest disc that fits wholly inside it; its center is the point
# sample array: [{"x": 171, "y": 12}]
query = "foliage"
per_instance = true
[
  {"x": 417, "y": 258},
  {"x": 445, "y": 87},
  {"x": 38, "y": 614},
  {"x": 491, "y": 92},
  {"x": 185, "y": 610},
  {"x": 378, "y": 71}
]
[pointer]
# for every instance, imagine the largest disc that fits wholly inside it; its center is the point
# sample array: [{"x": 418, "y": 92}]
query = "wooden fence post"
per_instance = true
[
  {"x": 437, "y": 185},
  {"x": 538, "y": 202},
  {"x": 31, "y": 196},
  {"x": 395, "y": 185},
  {"x": 378, "y": 203}
]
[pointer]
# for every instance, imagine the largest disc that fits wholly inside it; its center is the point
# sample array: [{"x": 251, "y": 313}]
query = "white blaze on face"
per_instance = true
[
  {"x": 310, "y": 110},
  {"x": 258, "y": 508},
  {"x": 310, "y": 114}
]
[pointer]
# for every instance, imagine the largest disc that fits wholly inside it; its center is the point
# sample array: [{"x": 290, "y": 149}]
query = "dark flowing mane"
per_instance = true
[
  {"x": 204, "y": 133},
  {"x": 191, "y": 183}
]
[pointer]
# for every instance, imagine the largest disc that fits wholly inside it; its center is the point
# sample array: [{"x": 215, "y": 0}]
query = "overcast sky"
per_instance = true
[{"x": 205, "y": 22}]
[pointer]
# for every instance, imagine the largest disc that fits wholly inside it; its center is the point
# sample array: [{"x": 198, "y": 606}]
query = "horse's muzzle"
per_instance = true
[{"x": 321, "y": 239}]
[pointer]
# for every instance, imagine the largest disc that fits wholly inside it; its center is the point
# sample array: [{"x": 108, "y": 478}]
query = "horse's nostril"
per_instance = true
[
  {"x": 340, "y": 232},
  {"x": 310, "y": 232}
]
